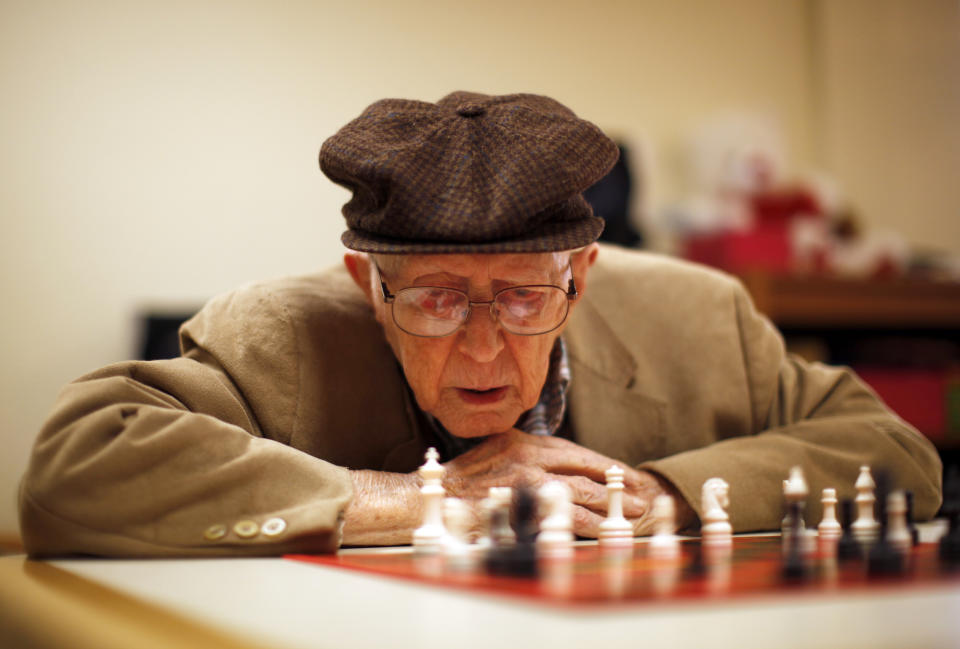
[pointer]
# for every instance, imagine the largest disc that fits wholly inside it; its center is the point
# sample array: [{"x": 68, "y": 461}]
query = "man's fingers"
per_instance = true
[
  {"x": 595, "y": 497},
  {"x": 585, "y": 492},
  {"x": 642, "y": 526},
  {"x": 586, "y": 523},
  {"x": 635, "y": 506}
]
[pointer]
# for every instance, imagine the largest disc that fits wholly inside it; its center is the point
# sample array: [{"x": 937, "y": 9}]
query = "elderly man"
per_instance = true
[{"x": 476, "y": 314}]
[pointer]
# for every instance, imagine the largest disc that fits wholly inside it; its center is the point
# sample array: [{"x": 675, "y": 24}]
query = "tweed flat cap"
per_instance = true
[{"x": 470, "y": 173}]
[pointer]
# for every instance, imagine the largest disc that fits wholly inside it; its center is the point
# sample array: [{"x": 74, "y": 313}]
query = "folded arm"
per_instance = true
[
  {"x": 165, "y": 459},
  {"x": 822, "y": 418}
]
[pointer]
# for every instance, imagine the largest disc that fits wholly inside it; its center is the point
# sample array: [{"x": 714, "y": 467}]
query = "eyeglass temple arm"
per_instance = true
[{"x": 388, "y": 297}]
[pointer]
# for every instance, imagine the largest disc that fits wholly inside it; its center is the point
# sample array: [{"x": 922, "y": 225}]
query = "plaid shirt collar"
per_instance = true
[{"x": 544, "y": 418}]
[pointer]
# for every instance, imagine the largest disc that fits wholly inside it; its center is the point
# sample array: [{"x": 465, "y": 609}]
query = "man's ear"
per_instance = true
[
  {"x": 358, "y": 264},
  {"x": 581, "y": 261}
]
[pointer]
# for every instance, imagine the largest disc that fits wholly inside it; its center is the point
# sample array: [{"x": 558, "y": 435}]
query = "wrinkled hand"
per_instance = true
[{"x": 515, "y": 458}]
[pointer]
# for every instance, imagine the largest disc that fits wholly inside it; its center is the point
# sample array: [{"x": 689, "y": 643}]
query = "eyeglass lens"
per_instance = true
[{"x": 523, "y": 310}]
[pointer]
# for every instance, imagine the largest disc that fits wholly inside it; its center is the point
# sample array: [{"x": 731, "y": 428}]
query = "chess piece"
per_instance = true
[
  {"x": 848, "y": 547},
  {"x": 456, "y": 546},
  {"x": 716, "y": 530},
  {"x": 555, "y": 540},
  {"x": 487, "y": 507},
  {"x": 866, "y": 529},
  {"x": 518, "y": 559},
  {"x": 495, "y": 519},
  {"x": 898, "y": 532},
  {"x": 794, "y": 565},
  {"x": 664, "y": 544},
  {"x": 615, "y": 530},
  {"x": 429, "y": 537},
  {"x": 795, "y": 490},
  {"x": 949, "y": 548},
  {"x": 884, "y": 557},
  {"x": 911, "y": 525},
  {"x": 501, "y": 531},
  {"x": 829, "y": 528}
]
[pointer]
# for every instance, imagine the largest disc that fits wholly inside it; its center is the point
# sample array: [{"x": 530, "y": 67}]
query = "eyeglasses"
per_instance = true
[{"x": 434, "y": 311}]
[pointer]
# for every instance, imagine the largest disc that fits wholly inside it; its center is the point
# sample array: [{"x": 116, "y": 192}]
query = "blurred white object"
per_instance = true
[{"x": 869, "y": 253}]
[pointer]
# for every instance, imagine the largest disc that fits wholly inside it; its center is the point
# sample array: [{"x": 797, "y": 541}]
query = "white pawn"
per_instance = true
[
  {"x": 898, "y": 534},
  {"x": 487, "y": 505},
  {"x": 429, "y": 537},
  {"x": 615, "y": 530},
  {"x": 866, "y": 529},
  {"x": 497, "y": 501},
  {"x": 795, "y": 490},
  {"x": 501, "y": 533},
  {"x": 716, "y": 530},
  {"x": 456, "y": 545},
  {"x": 829, "y": 528},
  {"x": 555, "y": 540},
  {"x": 664, "y": 544}
]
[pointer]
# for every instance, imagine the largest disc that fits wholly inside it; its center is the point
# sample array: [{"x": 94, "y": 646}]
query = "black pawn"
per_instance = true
[
  {"x": 950, "y": 543},
  {"x": 847, "y": 546},
  {"x": 794, "y": 566},
  {"x": 520, "y": 558},
  {"x": 914, "y": 532},
  {"x": 884, "y": 559}
]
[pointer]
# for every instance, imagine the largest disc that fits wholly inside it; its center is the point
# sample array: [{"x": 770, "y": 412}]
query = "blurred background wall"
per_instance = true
[{"x": 155, "y": 154}]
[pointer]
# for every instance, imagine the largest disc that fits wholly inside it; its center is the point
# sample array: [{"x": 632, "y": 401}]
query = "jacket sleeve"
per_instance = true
[
  {"x": 166, "y": 458},
  {"x": 822, "y": 418}
]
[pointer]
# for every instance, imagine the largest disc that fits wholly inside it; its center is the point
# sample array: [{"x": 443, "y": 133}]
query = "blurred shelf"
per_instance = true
[
  {"x": 796, "y": 301},
  {"x": 906, "y": 325}
]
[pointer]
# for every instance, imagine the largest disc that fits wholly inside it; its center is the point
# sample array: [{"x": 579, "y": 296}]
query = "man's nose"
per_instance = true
[{"x": 481, "y": 338}]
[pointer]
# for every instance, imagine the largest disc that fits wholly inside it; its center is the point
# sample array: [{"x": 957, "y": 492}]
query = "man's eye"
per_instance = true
[
  {"x": 438, "y": 303},
  {"x": 520, "y": 301}
]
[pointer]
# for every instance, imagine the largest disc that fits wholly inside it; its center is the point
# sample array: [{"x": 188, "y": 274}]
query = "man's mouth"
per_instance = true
[{"x": 482, "y": 397}]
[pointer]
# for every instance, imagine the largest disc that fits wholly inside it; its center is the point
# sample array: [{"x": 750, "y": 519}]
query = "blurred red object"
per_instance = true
[
  {"x": 768, "y": 244},
  {"x": 917, "y": 395},
  {"x": 781, "y": 206},
  {"x": 766, "y": 247}
]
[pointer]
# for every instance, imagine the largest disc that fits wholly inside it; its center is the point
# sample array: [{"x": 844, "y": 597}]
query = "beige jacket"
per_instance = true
[{"x": 283, "y": 385}]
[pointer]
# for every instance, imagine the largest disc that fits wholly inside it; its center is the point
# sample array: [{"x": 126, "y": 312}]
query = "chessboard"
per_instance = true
[
  {"x": 595, "y": 576},
  {"x": 527, "y": 548}
]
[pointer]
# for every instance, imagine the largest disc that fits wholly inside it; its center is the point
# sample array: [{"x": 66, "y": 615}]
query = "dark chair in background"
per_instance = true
[{"x": 159, "y": 338}]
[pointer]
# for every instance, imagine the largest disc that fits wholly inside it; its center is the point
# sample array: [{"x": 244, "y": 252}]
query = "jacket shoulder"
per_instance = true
[
  {"x": 664, "y": 296},
  {"x": 309, "y": 357},
  {"x": 246, "y": 309},
  {"x": 620, "y": 268}
]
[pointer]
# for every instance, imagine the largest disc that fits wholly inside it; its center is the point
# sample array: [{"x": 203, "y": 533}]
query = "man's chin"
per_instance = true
[{"x": 477, "y": 424}]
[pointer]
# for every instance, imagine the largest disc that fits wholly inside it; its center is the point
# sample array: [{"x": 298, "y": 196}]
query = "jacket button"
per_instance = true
[
  {"x": 274, "y": 527},
  {"x": 246, "y": 529},
  {"x": 215, "y": 532}
]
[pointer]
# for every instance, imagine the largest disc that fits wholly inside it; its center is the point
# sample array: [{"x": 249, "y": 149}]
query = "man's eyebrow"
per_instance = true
[{"x": 439, "y": 276}]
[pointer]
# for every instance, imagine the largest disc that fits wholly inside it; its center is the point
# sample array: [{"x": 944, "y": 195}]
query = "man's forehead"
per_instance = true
[{"x": 501, "y": 266}]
